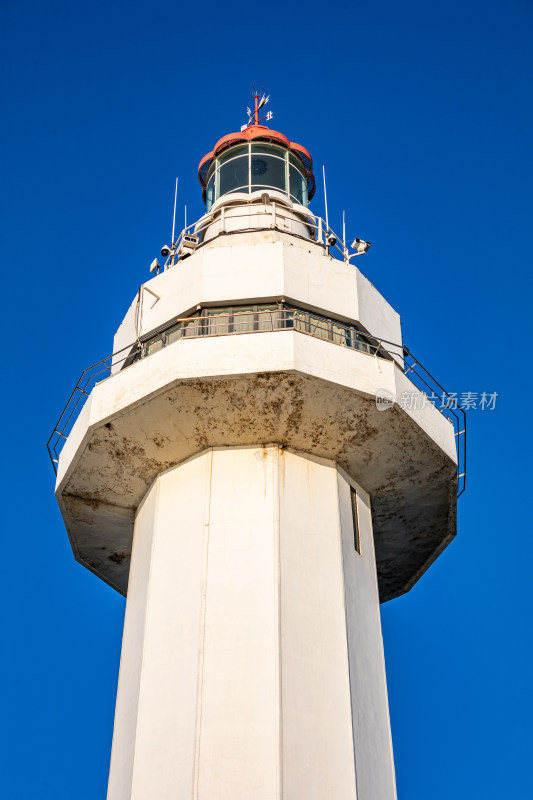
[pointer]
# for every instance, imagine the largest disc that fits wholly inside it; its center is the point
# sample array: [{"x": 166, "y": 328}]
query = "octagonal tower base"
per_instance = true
[{"x": 252, "y": 661}]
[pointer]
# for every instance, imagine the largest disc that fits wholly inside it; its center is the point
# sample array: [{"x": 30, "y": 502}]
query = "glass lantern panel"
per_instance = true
[
  {"x": 234, "y": 176},
  {"x": 268, "y": 149},
  {"x": 268, "y": 171},
  {"x": 298, "y": 185},
  {"x": 210, "y": 192},
  {"x": 231, "y": 152}
]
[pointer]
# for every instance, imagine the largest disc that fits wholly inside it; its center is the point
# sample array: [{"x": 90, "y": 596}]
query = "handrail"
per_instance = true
[
  {"x": 321, "y": 232},
  {"x": 238, "y": 323}
]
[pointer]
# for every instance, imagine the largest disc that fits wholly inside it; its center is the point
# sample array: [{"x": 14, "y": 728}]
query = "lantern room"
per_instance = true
[
  {"x": 257, "y": 159},
  {"x": 257, "y": 179}
]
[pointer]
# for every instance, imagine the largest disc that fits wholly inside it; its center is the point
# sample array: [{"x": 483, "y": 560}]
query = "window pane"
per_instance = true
[
  {"x": 232, "y": 152},
  {"x": 268, "y": 318},
  {"x": 220, "y": 320},
  {"x": 362, "y": 343},
  {"x": 221, "y": 324},
  {"x": 301, "y": 321},
  {"x": 355, "y": 521},
  {"x": 268, "y": 171},
  {"x": 338, "y": 333},
  {"x": 244, "y": 318},
  {"x": 298, "y": 186},
  {"x": 173, "y": 334},
  {"x": 234, "y": 175},
  {"x": 282, "y": 319},
  {"x": 154, "y": 346},
  {"x": 319, "y": 328},
  {"x": 269, "y": 149},
  {"x": 210, "y": 193},
  {"x": 215, "y": 312},
  {"x": 193, "y": 328},
  {"x": 293, "y": 159}
]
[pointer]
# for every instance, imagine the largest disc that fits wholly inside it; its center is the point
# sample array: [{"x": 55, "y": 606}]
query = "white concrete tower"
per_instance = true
[{"x": 248, "y": 474}]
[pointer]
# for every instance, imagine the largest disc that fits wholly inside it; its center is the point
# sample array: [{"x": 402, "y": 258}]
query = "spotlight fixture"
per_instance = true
[{"x": 360, "y": 245}]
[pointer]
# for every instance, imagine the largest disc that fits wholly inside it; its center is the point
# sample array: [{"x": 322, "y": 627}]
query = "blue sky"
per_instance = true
[{"x": 422, "y": 114}]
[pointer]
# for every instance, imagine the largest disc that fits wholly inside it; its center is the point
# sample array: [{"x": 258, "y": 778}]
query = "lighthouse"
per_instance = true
[{"x": 258, "y": 465}]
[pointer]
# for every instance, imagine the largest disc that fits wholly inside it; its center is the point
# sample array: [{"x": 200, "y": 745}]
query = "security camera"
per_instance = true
[
  {"x": 331, "y": 240},
  {"x": 165, "y": 251}
]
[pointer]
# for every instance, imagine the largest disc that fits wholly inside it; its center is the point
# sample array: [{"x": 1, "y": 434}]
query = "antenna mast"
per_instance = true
[
  {"x": 174, "y": 216},
  {"x": 344, "y": 229},
  {"x": 325, "y": 195}
]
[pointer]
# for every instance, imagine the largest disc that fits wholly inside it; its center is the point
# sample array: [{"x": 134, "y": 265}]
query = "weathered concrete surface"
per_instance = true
[
  {"x": 281, "y": 387},
  {"x": 252, "y": 660}
]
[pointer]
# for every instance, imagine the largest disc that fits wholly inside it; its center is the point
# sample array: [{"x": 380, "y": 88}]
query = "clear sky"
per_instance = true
[{"x": 422, "y": 114}]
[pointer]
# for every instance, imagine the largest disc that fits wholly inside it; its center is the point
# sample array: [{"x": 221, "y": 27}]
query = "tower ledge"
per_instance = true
[{"x": 300, "y": 392}]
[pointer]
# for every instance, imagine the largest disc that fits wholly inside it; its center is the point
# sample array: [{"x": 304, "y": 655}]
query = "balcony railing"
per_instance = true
[
  {"x": 246, "y": 322},
  {"x": 272, "y": 215},
  {"x": 235, "y": 322}
]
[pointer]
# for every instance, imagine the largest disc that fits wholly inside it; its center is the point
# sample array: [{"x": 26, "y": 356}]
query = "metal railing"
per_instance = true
[
  {"x": 280, "y": 319},
  {"x": 235, "y": 322},
  {"x": 319, "y": 231}
]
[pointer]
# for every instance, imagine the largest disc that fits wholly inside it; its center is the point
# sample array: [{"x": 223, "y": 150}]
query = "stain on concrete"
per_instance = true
[
  {"x": 410, "y": 479},
  {"x": 118, "y": 558}
]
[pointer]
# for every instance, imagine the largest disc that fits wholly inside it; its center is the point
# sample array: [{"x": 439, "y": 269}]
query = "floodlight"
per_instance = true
[{"x": 360, "y": 245}]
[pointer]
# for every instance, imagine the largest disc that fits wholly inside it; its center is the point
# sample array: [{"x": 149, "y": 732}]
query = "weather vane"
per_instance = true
[{"x": 260, "y": 100}]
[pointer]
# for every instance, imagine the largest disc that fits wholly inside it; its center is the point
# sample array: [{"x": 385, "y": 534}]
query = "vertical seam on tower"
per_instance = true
[
  {"x": 368, "y": 507},
  {"x": 352, "y": 719},
  {"x": 148, "y": 592},
  {"x": 277, "y": 534},
  {"x": 198, "y": 734}
]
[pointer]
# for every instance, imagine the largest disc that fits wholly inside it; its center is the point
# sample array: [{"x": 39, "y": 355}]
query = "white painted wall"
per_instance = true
[
  {"x": 246, "y": 210},
  {"x": 370, "y": 708},
  {"x": 133, "y": 642},
  {"x": 258, "y": 266},
  {"x": 318, "y": 747},
  {"x": 238, "y": 736},
  {"x": 244, "y": 674}
]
